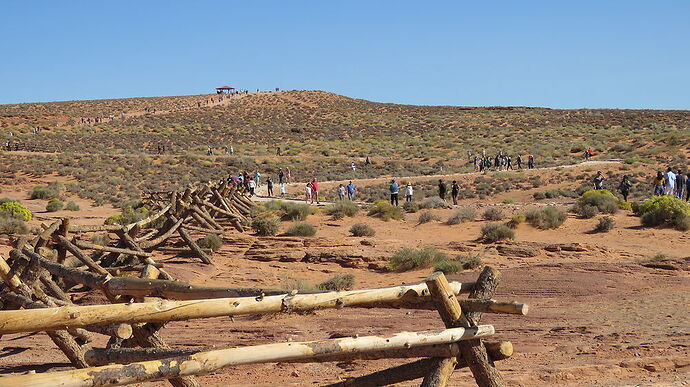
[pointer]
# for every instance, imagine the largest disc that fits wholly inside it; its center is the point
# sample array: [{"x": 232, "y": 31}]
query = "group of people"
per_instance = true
[
  {"x": 673, "y": 183},
  {"x": 501, "y": 162}
]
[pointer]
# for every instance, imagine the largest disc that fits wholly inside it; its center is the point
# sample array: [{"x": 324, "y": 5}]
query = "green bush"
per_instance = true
[
  {"x": 266, "y": 226},
  {"x": 516, "y": 220},
  {"x": 385, "y": 211},
  {"x": 301, "y": 229},
  {"x": 508, "y": 201},
  {"x": 466, "y": 214},
  {"x": 54, "y": 205},
  {"x": 585, "y": 211},
  {"x": 72, "y": 206},
  {"x": 411, "y": 207},
  {"x": 493, "y": 213},
  {"x": 342, "y": 208},
  {"x": 129, "y": 215},
  {"x": 289, "y": 210},
  {"x": 338, "y": 283},
  {"x": 605, "y": 201},
  {"x": 605, "y": 224},
  {"x": 459, "y": 263},
  {"x": 408, "y": 259},
  {"x": 427, "y": 216},
  {"x": 16, "y": 209},
  {"x": 494, "y": 232},
  {"x": 433, "y": 202},
  {"x": 362, "y": 230},
  {"x": 665, "y": 211},
  {"x": 41, "y": 192},
  {"x": 546, "y": 218},
  {"x": 210, "y": 241},
  {"x": 12, "y": 224}
]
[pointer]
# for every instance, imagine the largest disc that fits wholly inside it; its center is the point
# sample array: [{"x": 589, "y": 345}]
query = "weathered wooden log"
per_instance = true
[
  {"x": 111, "y": 249},
  {"x": 121, "y": 331},
  {"x": 80, "y": 255},
  {"x": 205, "y": 258},
  {"x": 163, "y": 311},
  {"x": 148, "y": 244},
  {"x": 200, "y": 229},
  {"x": 206, "y": 362},
  {"x": 415, "y": 370},
  {"x": 94, "y": 228},
  {"x": 144, "y": 222},
  {"x": 64, "y": 231},
  {"x": 59, "y": 270},
  {"x": 129, "y": 242},
  {"x": 43, "y": 238},
  {"x": 177, "y": 290}
]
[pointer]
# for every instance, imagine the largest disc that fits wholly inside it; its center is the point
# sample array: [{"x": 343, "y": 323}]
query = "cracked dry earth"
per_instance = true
[{"x": 597, "y": 316}]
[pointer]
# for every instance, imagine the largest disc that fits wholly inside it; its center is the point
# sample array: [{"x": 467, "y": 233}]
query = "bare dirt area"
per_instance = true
[{"x": 597, "y": 316}]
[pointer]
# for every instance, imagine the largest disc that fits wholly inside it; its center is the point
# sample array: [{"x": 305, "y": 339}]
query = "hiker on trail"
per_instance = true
[
  {"x": 209, "y": 152},
  {"x": 367, "y": 162},
  {"x": 442, "y": 189},
  {"x": 687, "y": 187},
  {"x": 680, "y": 184},
  {"x": 670, "y": 182},
  {"x": 497, "y": 162},
  {"x": 599, "y": 181},
  {"x": 232, "y": 150},
  {"x": 509, "y": 163},
  {"x": 475, "y": 162},
  {"x": 408, "y": 192},
  {"x": 309, "y": 192},
  {"x": 282, "y": 190},
  {"x": 281, "y": 176},
  {"x": 395, "y": 189},
  {"x": 586, "y": 154},
  {"x": 351, "y": 191},
  {"x": 315, "y": 190},
  {"x": 454, "y": 191},
  {"x": 257, "y": 178},
  {"x": 227, "y": 150},
  {"x": 252, "y": 187},
  {"x": 341, "y": 192},
  {"x": 659, "y": 182},
  {"x": 353, "y": 167},
  {"x": 269, "y": 186},
  {"x": 288, "y": 175},
  {"x": 277, "y": 151},
  {"x": 625, "y": 187},
  {"x": 519, "y": 161},
  {"x": 530, "y": 162}
]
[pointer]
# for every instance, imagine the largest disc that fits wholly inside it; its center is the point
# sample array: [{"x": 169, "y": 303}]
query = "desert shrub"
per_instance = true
[
  {"x": 665, "y": 211},
  {"x": 16, "y": 209},
  {"x": 266, "y": 225},
  {"x": 385, "y": 211},
  {"x": 546, "y": 218},
  {"x": 585, "y": 211},
  {"x": 129, "y": 215},
  {"x": 299, "y": 285},
  {"x": 12, "y": 224},
  {"x": 289, "y": 210},
  {"x": 43, "y": 192},
  {"x": 101, "y": 239},
  {"x": 342, "y": 208},
  {"x": 466, "y": 214},
  {"x": 427, "y": 216},
  {"x": 54, "y": 205},
  {"x": 338, "y": 283},
  {"x": 605, "y": 224},
  {"x": 493, "y": 213},
  {"x": 515, "y": 221},
  {"x": 411, "y": 207},
  {"x": 626, "y": 206},
  {"x": 494, "y": 232},
  {"x": 210, "y": 241},
  {"x": 301, "y": 229},
  {"x": 433, "y": 203},
  {"x": 605, "y": 201},
  {"x": 459, "y": 263},
  {"x": 362, "y": 230},
  {"x": 408, "y": 259},
  {"x": 508, "y": 201},
  {"x": 539, "y": 195},
  {"x": 72, "y": 206}
]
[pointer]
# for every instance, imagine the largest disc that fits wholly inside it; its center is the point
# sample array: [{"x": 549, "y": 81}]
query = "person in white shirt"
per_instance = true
[
  {"x": 408, "y": 192},
  {"x": 670, "y": 188}
]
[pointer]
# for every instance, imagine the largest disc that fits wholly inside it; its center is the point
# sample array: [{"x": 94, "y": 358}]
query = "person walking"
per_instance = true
[
  {"x": 687, "y": 187},
  {"x": 409, "y": 191},
  {"x": 395, "y": 189},
  {"x": 530, "y": 162},
  {"x": 269, "y": 186},
  {"x": 282, "y": 190},
  {"x": 454, "y": 191},
  {"x": 257, "y": 178},
  {"x": 341, "y": 192},
  {"x": 625, "y": 187},
  {"x": 288, "y": 175},
  {"x": 309, "y": 194},
  {"x": 518, "y": 159},
  {"x": 670, "y": 188},
  {"x": 252, "y": 187},
  {"x": 599, "y": 181},
  {"x": 281, "y": 176},
  {"x": 315, "y": 190},
  {"x": 351, "y": 191},
  {"x": 442, "y": 189},
  {"x": 659, "y": 182},
  {"x": 680, "y": 184}
]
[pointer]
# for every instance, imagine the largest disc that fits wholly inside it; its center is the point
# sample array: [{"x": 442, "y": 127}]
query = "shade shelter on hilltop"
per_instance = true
[{"x": 224, "y": 89}]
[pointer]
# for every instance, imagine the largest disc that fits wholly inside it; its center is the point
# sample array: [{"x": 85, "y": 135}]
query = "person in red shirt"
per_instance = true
[{"x": 315, "y": 189}]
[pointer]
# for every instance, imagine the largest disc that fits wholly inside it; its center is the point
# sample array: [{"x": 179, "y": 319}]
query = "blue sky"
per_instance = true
[{"x": 622, "y": 54}]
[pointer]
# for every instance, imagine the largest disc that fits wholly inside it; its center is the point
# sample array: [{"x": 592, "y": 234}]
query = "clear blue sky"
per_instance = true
[{"x": 626, "y": 54}]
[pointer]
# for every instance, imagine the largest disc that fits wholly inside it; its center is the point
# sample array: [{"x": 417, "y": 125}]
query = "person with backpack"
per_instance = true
[
  {"x": 625, "y": 187},
  {"x": 680, "y": 184},
  {"x": 394, "y": 189},
  {"x": 454, "y": 191},
  {"x": 409, "y": 191},
  {"x": 599, "y": 181},
  {"x": 659, "y": 182},
  {"x": 269, "y": 186},
  {"x": 442, "y": 189},
  {"x": 351, "y": 191}
]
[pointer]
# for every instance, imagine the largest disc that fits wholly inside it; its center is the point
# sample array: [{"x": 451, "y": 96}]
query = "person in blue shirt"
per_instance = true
[
  {"x": 351, "y": 192},
  {"x": 395, "y": 189}
]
